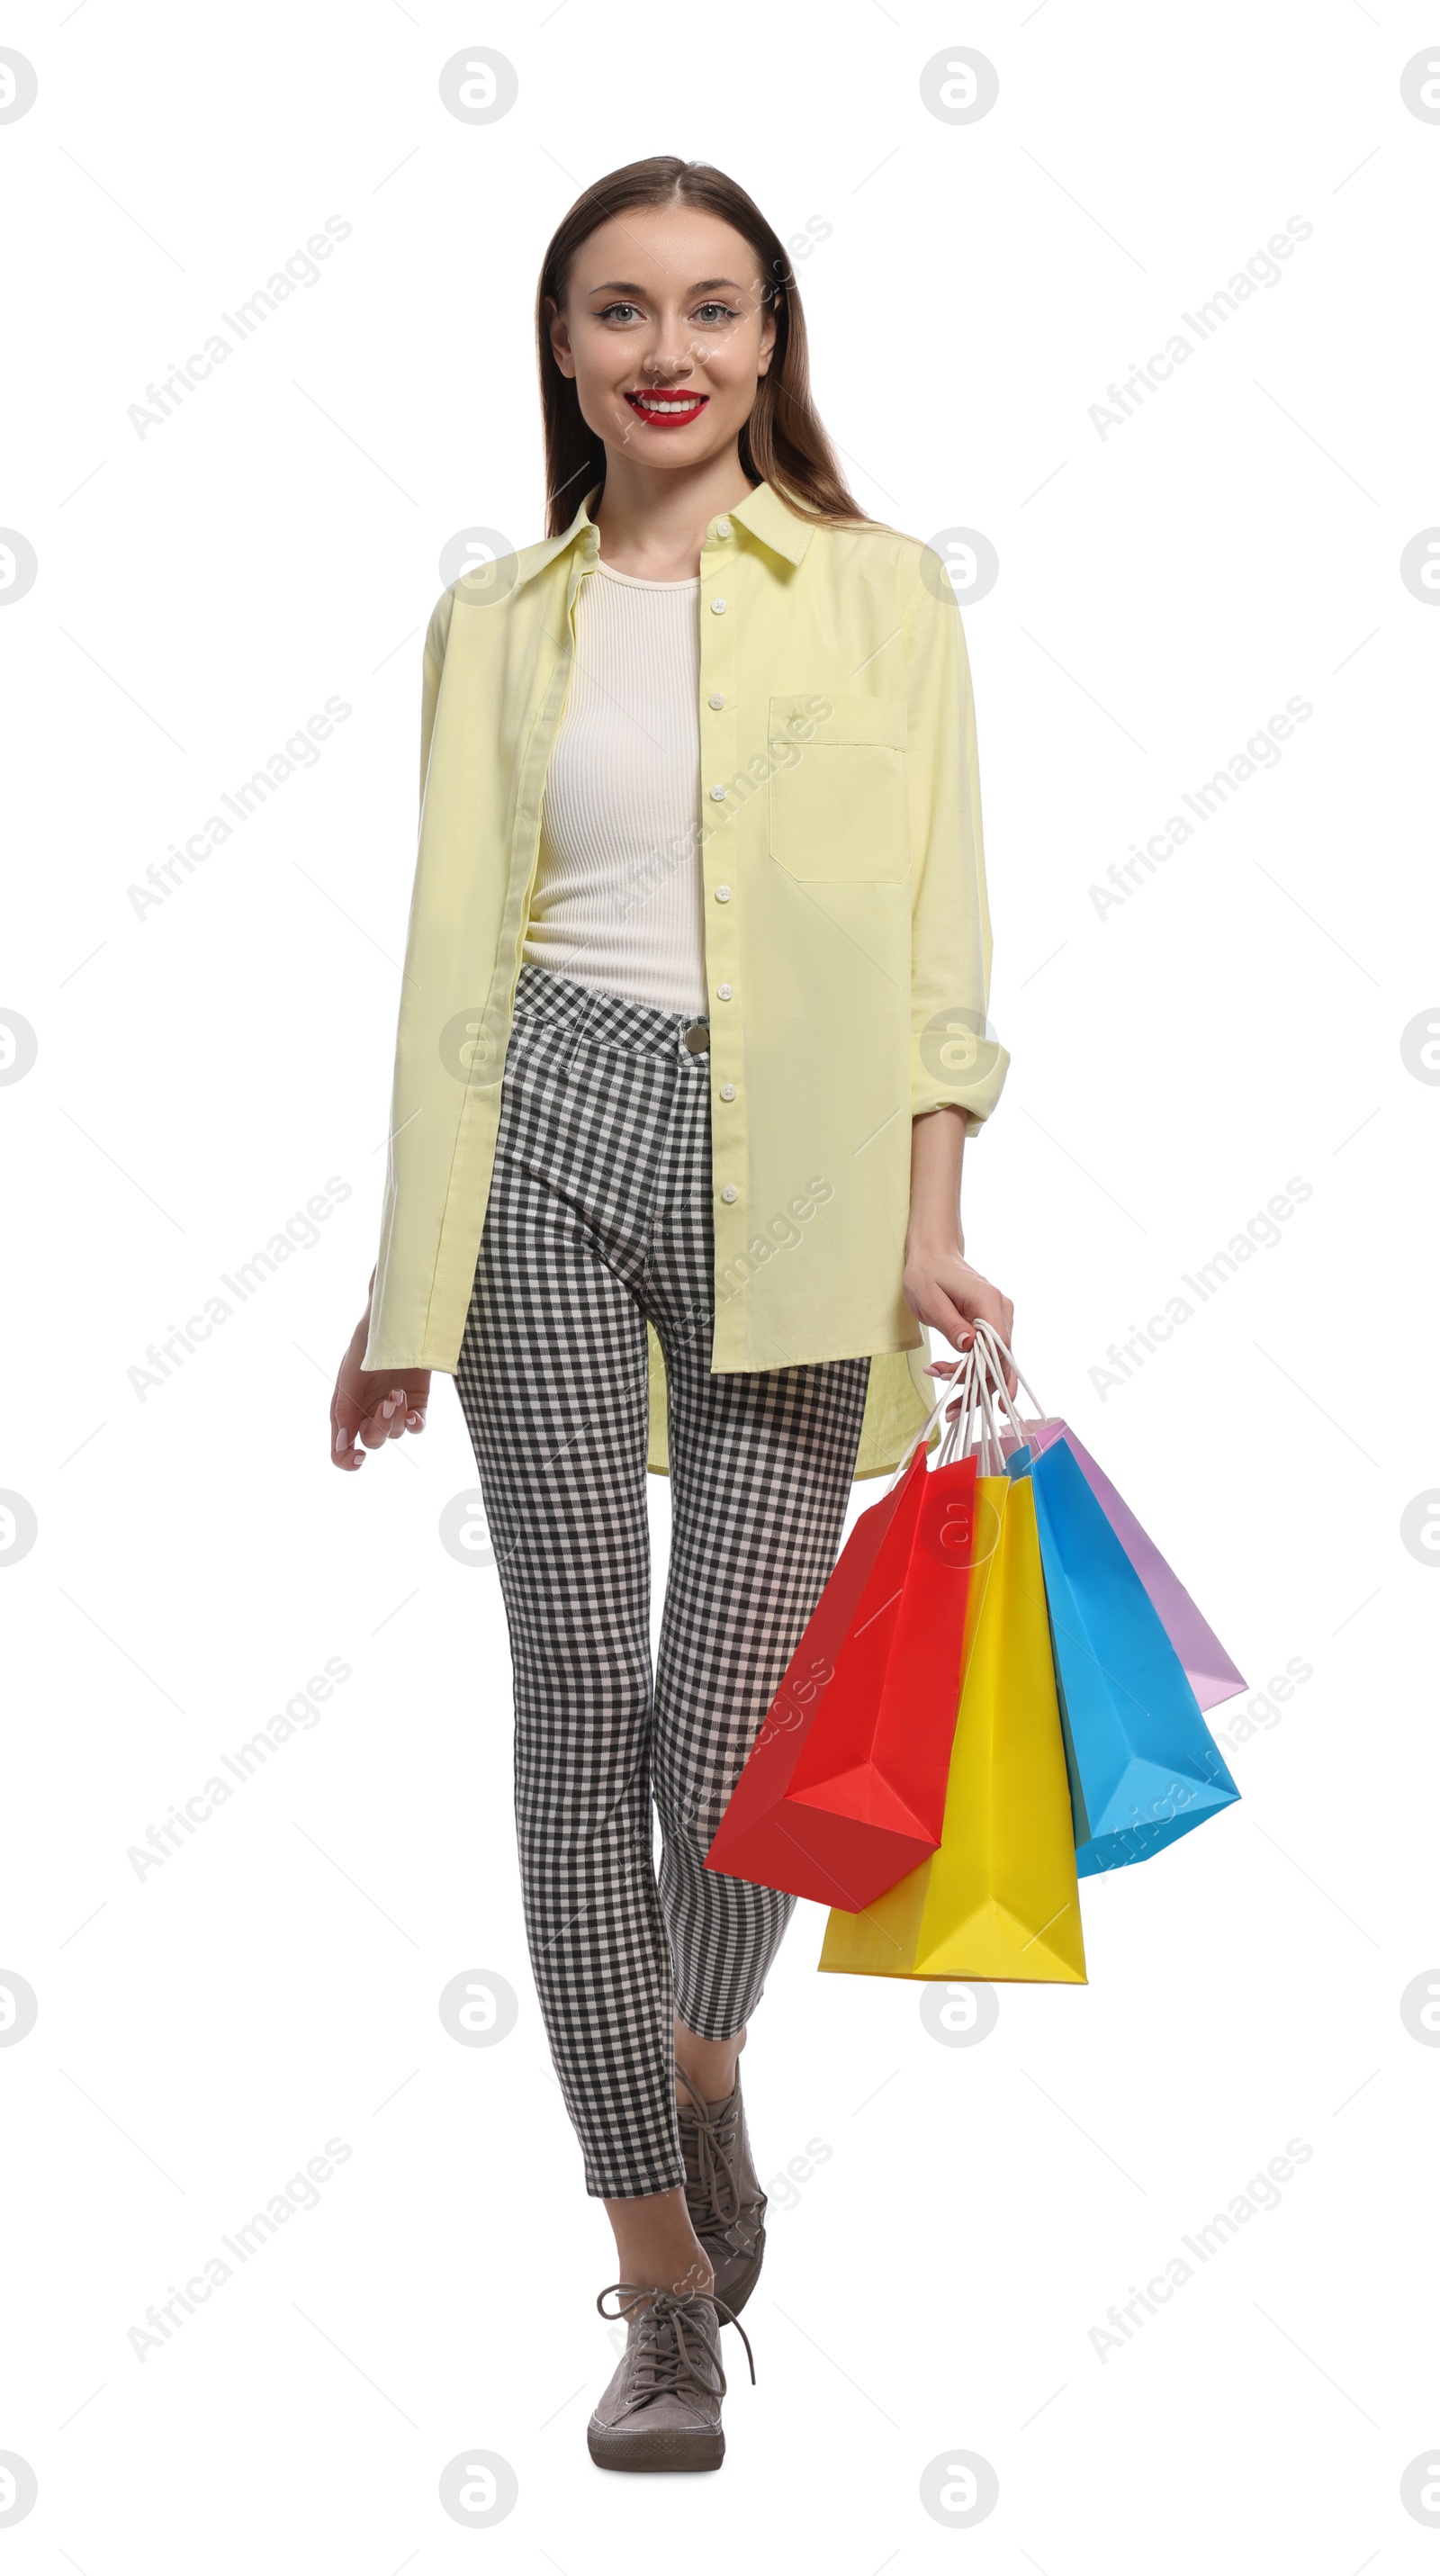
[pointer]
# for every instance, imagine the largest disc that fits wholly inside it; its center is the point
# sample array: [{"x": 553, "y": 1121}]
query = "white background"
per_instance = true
[{"x": 206, "y": 1068}]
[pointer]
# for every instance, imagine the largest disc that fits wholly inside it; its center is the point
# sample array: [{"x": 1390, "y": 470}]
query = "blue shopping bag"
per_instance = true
[{"x": 1144, "y": 1766}]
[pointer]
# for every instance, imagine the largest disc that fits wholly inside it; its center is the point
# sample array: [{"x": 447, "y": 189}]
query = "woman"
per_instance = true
[{"x": 692, "y": 1034}]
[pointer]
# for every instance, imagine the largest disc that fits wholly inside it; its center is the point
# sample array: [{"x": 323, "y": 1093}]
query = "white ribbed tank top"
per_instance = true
[{"x": 617, "y": 900}]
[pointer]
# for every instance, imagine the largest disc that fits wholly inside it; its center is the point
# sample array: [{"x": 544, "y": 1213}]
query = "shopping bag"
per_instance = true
[
  {"x": 999, "y": 1899},
  {"x": 844, "y": 1789},
  {"x": 1144, "y": 1767},
  {"x": 1212, "y": 1675}
]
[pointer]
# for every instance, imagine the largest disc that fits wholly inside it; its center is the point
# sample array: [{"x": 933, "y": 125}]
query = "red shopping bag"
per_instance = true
[{"x": 844, "y": 1790}]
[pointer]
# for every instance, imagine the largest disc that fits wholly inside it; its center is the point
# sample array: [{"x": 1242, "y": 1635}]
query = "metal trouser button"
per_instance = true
[{"x": 696, "y": 1038}]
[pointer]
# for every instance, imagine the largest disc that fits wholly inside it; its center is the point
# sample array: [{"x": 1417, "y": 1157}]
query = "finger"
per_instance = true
[
  {"x": 375, "y": 1429},
  {"x": 409, "y": 1417},
  {"x": 344, "y": 1423},
  {"x": 346, "y": 1418},
  {"x": 952, "y": 1322}
]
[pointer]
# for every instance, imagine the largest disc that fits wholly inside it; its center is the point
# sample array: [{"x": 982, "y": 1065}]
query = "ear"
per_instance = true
[{"x": 559, "y": 334}]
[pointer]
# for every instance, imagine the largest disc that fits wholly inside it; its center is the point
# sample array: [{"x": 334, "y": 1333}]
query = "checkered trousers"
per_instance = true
[{"x": 598, "y": 1218}]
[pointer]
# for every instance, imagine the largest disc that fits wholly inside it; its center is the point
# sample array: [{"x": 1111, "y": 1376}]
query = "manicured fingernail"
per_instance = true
[{"x": 339, "y": 1442}]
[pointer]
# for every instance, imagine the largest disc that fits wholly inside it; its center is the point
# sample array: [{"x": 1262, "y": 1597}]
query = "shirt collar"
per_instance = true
[{"x": 763, "y": 513}]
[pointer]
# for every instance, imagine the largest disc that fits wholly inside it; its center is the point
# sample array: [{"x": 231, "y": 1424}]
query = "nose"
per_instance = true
[{"x": 663, "y": 364}]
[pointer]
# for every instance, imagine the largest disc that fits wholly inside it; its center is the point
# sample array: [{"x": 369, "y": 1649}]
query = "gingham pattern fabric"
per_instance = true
[{"x": 599, "y": 1217}]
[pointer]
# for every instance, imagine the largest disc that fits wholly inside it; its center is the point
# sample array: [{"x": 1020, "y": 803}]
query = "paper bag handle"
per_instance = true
[
  {"x": 995, "y": 1353},
  {"x": 976, "y": 1421}
]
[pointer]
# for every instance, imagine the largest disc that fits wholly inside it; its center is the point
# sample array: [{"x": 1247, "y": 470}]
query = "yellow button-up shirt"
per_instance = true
[{"x": 847, "y": 934}]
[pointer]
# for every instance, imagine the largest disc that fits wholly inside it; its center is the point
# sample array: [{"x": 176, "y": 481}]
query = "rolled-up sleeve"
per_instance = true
[{"x": 955, "y": 1060}]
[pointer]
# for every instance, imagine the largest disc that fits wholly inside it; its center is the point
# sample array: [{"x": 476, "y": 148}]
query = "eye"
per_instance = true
[
  {"x": 607, "y": 310},
  {"x": 721, "y": 312}
]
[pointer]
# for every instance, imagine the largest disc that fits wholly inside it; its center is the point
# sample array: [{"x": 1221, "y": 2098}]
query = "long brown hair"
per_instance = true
[{"x": 783, "y": 442}]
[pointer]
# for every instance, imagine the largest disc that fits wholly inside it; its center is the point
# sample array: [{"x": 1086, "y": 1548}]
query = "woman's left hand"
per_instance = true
[{"x": 942, "y": 1288}]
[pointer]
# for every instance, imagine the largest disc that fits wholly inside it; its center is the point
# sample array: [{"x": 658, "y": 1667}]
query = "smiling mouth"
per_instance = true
[{"x": 667, "y": 408}]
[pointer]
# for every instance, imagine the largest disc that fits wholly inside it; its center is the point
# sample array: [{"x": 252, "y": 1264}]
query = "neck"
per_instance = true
[{"x": 653, "y": 522}]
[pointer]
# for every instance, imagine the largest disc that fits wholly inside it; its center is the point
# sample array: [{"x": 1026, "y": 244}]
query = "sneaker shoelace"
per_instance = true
[
  {"x": 671, "y": 2355},
  {"x": 713, "y": 2140}
]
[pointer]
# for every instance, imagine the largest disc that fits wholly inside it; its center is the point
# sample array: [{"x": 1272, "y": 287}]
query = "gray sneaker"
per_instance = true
[
  {"x": 722, "y": 2191},
  {"x": 662, "y": 2408}
]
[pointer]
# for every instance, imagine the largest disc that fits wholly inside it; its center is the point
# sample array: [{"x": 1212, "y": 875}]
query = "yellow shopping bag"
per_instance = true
[{"x": 999, "y": 1899}]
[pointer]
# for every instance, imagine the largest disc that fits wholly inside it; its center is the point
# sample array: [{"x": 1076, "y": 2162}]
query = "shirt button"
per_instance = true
[
  {"x": 717, "y": 795},
  {"x": 727, "y": 1090},
  {"x": 722, "y": 894},
  {"x": 722, "y": 527},
  {"x": 723, "y": 992},
  {"x": 729, "y": 1193},
  {"x": 718, "y": 607},
  {"x": 717, "y": 699}
]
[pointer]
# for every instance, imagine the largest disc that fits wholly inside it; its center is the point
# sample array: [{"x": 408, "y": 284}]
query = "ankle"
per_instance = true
[
  {"x": 698, "y": 2275},
  {"x": 710, "y": 2088},
  {"x": 706, "y": 2069},
  {"x": 656, "y": 2246}
]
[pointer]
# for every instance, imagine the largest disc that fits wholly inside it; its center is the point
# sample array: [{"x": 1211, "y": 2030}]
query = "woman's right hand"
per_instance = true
[{"x": 372, "y": 1405}]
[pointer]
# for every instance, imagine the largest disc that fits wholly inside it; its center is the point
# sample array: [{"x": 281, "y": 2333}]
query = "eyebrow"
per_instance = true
[{"x": 626, "y": 286}]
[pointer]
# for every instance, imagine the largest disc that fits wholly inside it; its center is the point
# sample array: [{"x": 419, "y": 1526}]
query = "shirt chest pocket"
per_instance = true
[{"x": 839, "y": 801}]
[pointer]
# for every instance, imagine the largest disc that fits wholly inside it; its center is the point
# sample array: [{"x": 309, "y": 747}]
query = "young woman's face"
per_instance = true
[{"x": 666, "y": 331}]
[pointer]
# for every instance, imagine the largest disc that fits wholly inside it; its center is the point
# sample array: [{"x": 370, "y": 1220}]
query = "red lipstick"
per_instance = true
[{"x": 666, "y": 411}]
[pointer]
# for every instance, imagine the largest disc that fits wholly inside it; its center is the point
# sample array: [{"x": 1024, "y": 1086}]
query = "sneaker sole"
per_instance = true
[{"x": 613, "y": 2450}]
